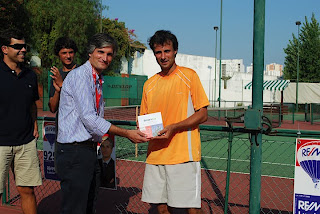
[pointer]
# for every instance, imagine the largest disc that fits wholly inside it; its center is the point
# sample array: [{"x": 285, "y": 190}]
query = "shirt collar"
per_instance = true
[{"x": 6, "y": 68}]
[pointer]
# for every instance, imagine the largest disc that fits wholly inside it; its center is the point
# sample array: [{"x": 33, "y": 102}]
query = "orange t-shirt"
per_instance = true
[{"x": 177, "y": 97}]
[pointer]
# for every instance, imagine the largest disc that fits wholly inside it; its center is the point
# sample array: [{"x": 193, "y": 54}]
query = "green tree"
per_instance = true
[
  {"x": 309, "y": 52},
  {"x": 127, "y": 42},
  {"x": 52, "y": 19},
  {"x": 14, "y": 15}
]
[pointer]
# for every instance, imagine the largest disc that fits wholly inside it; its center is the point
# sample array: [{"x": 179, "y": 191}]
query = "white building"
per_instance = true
[
  {"x": 274, "y": 69},
  {"x": 233, "y": 78}
]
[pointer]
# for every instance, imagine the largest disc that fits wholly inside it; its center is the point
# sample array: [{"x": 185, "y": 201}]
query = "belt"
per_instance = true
[{"x": 87, "y": 143}]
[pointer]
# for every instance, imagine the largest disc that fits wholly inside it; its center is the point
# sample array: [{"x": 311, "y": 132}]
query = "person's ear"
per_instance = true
[{"x": 4, "y": 49}]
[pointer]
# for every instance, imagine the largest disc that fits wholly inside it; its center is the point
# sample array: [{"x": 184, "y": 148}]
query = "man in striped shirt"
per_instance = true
[{"x": 81, "y": 126}]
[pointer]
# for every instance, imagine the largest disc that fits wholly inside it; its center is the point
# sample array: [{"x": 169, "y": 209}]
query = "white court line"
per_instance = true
[{"x": 240, "y": 160}]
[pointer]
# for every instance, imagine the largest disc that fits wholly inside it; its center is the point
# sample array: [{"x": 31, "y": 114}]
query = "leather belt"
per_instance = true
[{"x": 86, "y": 143}]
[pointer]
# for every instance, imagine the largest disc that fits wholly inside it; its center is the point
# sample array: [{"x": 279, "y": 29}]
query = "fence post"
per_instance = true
[
  {"x": 230, "y": 138},
  {"x": 311, "y": 113},
  {"x": 257, "y": 104}
]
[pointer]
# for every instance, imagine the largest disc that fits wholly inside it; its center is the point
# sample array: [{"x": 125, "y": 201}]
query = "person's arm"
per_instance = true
[
  {"x": 57, "y": 84},
  {"x": 193, "y": 121},
  {"x": 84, "y": 102},
  {"x": 34, "y": 116},
  {"x": 135, "y": 136}
]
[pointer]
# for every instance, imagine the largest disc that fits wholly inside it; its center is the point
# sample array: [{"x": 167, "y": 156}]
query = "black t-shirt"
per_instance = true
[
  {"x": 52, "y": 89},
  {"x": 17, "y": 94}
]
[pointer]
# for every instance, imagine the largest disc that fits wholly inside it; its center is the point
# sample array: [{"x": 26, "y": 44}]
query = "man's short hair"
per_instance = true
[
  {"x": 162, "y": 37},
  {"x": 101, "y": 40},
  {"x": 108, "y": 139},
  {"x": 7, "y": 35},
  {"x": 64, "y": 42}
]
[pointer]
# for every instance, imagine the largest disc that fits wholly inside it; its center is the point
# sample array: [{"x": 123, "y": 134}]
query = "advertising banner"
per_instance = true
[
  {"x": 106, "y": 153},
  {"x": 49, "y": 137},
  {"x": 307, "y": 177}
]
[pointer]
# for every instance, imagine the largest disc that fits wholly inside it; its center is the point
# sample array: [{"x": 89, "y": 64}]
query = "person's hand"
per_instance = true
[
  {"x": 56, "y": 76},
  {"x": 36, "y": 133},
  {"x": 166, "y": 133},
  {"x": 55, "y": 85},
  {"x": 136, "y": 136}
]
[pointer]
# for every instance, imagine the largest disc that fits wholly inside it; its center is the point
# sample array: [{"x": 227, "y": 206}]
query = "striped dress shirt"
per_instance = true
[{"x": 79, "y": 119}]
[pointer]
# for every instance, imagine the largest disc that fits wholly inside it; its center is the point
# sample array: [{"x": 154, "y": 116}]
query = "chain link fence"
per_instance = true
[{"x": 276, "y": 184}]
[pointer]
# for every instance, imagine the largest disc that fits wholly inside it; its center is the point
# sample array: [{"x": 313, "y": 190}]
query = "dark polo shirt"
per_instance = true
[{"x": 17, "y": 93}]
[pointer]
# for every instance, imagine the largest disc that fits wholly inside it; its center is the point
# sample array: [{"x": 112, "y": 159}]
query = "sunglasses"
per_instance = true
[{"x": 18, "y": 46}]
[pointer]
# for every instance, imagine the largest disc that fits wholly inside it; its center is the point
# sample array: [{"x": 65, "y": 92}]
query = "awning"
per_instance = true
[{"x": 271, "y": 85}]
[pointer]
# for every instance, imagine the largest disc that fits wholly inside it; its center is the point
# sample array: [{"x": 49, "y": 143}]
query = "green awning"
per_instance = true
[{"x": 271, "y": 85}]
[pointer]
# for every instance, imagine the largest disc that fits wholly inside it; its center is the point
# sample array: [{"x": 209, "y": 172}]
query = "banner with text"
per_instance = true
[
  {"x": 49, "y": 137},
  {"x": 120, "y": 87}
]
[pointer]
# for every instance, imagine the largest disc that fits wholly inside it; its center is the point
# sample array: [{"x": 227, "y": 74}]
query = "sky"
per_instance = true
[{"x": 193, "y": 21}]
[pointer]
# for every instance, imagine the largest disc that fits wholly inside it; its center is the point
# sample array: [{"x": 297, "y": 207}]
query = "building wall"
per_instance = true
[{"x": 232, "y": 90}]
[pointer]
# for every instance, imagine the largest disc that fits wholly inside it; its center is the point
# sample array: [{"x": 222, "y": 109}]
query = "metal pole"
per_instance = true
[
  {"x": 220, "y": 57},
  {"x": 257, "y": 104},
  {"x": 101, "y": 17},
  {"x": 297, "y": 83},
  {"x": 230, "y": 138},
  {"x": 210, "y": 98},
  {"x": 219, "y": 99},
  {"x": 216, "y": 28}
]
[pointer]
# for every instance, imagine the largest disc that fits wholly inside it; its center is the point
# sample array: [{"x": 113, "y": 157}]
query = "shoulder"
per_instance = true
[
  {"x": 152, "y": 80},
  {"x": 29, "y": 72},
  {"x": 186, "y": 71},
  {"x": 80, "y": 72}
]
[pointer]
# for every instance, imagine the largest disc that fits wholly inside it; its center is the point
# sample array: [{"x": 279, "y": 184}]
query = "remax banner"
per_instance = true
[
  {"x": 307, "y": 177},
  {"x": 49, "y": 137}
]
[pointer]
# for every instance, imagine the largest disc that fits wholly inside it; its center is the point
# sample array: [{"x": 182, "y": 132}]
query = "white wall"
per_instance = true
[{"x": 146, "y": 64}]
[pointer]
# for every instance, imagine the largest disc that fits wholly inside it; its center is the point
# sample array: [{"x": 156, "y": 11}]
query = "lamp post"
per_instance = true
[
  {"x": 219, "y": 98},
  {"x": 220, "y": 58},
  {"x": 100, "y": 17},
  {"x": 216, "y": 28},
  {"x": 297, "y": 83},
  {"x": 210, "y": 98}
]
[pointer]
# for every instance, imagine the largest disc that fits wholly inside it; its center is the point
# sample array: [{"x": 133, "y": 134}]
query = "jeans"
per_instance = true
[{"x": 78, "y": 169}]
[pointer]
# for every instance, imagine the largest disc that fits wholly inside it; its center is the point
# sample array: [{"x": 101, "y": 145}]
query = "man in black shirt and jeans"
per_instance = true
[{"x": 18, "y": 120}]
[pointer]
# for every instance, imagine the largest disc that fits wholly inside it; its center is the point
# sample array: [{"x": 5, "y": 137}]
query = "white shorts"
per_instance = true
[
  {"x": 178, "y": 185},
  {"x": 26, "y": 164}
]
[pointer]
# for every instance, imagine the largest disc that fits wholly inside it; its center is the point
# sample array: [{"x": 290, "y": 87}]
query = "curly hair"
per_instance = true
[
  {"x": 161, "y": 37},
  {"x": 64, "y": 42}
]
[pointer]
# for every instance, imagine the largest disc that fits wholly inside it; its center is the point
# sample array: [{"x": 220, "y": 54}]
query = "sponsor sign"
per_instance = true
[
  {"x": 120, "y": 87},
  {"x": 49, "y": 137},
  {"x": 307, "y": 177}
]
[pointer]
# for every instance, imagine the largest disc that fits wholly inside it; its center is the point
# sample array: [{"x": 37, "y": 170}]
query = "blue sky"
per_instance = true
[{"x": 193, "y": 21}]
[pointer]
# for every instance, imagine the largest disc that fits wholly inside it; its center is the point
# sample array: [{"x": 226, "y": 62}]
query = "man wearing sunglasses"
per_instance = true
[{"x": 18, "y": 124}]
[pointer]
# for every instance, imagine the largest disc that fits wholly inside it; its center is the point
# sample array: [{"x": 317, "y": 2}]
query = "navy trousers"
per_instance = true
[{"x": 79, "y": 171}]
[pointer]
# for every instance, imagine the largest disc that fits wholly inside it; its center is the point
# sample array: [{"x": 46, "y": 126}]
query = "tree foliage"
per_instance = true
[
  {"x": 127, "y": 42},
  {"x": 44, "y": 21},
  {"x": 55, "y": 18},
  {"x": 309, "y": 52},
  {"x": 13, "y": 15}
]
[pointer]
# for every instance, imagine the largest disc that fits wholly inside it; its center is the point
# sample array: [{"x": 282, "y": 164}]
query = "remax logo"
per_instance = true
[
  {"x": 310, "y": 151},
  {"x": 306, "y": 204}
]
